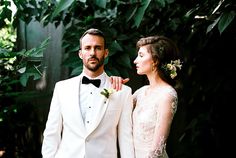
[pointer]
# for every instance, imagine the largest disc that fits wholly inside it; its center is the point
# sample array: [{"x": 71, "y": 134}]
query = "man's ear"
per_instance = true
[
  {"x": 106, "y": 52},
  {"x": 80, "y": 54}
]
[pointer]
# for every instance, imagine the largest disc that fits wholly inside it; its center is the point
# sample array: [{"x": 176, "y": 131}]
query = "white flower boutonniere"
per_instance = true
[{"x": 107, "y": 92}]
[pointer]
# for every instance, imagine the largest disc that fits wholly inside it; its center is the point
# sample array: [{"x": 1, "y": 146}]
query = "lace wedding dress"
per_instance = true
[{"x": 152, "y": 118}]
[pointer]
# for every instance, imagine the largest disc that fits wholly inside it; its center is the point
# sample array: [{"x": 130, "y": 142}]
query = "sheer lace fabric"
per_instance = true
[{"x": 152, "y": 119}]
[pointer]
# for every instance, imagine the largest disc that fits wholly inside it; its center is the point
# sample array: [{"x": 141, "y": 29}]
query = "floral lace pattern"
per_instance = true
[
  {"x": 151, "y": 121},
  {"x": 159, "y": 152}
]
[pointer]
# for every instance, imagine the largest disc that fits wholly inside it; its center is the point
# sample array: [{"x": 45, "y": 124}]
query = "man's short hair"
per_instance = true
[{"x": 93, "y": 31}]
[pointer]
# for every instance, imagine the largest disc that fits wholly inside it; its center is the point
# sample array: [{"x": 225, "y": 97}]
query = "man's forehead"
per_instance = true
[{"x": 88, "y": 40}]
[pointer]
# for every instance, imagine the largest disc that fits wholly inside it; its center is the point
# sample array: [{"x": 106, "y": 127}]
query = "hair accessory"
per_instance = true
[{"x": 172, "y": 67}]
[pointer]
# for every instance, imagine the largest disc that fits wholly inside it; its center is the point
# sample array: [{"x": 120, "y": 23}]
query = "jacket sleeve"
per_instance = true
[
  {"x": 52, "y": 132},
  {"x": 125, "y": 127}
]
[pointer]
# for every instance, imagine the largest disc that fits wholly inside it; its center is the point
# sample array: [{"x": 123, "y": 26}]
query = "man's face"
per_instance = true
[{"x": 93, "y": 52}]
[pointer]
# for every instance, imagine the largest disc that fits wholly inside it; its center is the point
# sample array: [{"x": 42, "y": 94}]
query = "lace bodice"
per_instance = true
[{"x": 152, "y": 119}]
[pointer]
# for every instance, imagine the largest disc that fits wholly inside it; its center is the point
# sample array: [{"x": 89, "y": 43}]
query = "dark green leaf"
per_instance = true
[
  {"x": 210, "y": 27},
  {"x": 62, "y": 5},
  {"x": 225, "y": 20},
  {"x": 77, "y": 70},
  {"x": 161, "y": 3},
  {"x": 124, "y": 60},
  {"x": 23, "y": 79},
  {"x": 101, "y": 3},
  {"x": 131, "y": 12},
  {"x": 140, "y": 12},
  {"x": 114, "y": 47}
]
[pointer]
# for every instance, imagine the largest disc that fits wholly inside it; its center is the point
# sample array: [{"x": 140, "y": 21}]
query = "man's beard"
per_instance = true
[{"x": 97, "y": 66}]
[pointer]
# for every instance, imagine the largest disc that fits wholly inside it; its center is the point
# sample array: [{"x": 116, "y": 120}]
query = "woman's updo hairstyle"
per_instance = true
[{"x": 163, "y": 51}]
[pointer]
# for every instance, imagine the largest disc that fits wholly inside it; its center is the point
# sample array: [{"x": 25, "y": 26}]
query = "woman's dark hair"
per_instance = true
[{"x": 163, "y": 51}]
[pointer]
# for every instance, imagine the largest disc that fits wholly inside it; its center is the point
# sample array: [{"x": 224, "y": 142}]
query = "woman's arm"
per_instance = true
[{"x": 166, "y": 110}]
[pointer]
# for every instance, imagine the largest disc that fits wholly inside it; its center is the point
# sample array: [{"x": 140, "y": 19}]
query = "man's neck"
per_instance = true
[{"x": 93, "y": 74}]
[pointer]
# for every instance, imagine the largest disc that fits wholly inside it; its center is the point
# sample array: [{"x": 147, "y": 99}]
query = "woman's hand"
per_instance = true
[{"x": 117, "y": 82}]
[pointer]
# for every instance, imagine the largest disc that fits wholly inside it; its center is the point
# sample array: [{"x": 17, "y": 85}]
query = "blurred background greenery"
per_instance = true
[{"x": 39, "y": 41}]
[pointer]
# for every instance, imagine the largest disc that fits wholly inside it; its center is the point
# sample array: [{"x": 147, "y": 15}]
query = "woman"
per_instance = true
[{"x": 155, "y": 104}]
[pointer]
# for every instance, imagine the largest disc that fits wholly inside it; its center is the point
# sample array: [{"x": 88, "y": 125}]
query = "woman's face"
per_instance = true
[{"x": 144, "y": 62}]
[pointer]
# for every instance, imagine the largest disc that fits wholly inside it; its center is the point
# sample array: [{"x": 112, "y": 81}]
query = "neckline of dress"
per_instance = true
[{"x": 156, "y": 89}]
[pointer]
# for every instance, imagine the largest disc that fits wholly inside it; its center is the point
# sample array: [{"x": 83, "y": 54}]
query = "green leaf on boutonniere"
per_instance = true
[{"x": 107, "y": 92}]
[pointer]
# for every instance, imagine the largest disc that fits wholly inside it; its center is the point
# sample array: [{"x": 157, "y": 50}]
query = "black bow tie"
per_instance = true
[{"x": 95, "y": 82}]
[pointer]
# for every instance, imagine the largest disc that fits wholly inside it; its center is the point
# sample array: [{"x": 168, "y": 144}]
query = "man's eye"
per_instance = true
[{"x": 99, "y": 48}]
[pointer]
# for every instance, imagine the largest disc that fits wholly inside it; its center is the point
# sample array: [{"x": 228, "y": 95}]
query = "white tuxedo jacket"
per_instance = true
[{"x": 65, "y": 135}]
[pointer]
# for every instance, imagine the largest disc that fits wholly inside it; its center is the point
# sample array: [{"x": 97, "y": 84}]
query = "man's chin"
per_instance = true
[{"x": 93, "y": 67}]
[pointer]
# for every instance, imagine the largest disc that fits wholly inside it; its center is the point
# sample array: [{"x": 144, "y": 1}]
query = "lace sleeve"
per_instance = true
[{"x": 165, "y": 110}]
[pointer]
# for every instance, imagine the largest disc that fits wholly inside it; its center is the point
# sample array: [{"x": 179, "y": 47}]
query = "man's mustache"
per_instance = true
[{"x": 93, "y": 57}]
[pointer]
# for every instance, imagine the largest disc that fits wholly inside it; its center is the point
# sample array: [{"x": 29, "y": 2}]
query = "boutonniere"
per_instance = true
[{"x": 107, "y": 92}]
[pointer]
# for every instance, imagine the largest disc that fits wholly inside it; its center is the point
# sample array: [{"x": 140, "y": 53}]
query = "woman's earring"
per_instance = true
[{"x": 153, "y": 67}]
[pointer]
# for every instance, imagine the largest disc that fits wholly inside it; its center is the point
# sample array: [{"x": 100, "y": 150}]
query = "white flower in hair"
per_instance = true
[{"x": 171, "y": 68}]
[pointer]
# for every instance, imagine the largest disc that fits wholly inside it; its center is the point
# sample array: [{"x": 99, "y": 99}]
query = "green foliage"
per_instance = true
[
  {"x": 17, "y": 116},
  {"x": 225, "y": 20},
  {"x": 21, "y": 65},
  {"x": 7, "y": 36},
  {"x": 5, "y": 13},
  {"x": 140, "y": 11},
  {"x": 119, "y": 18},
  {"x": 62, "y": 5},
  {"x": 198, "y": 27}
]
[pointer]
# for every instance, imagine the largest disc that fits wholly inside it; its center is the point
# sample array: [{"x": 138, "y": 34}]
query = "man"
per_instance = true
[{"x": 86, "y": 121}]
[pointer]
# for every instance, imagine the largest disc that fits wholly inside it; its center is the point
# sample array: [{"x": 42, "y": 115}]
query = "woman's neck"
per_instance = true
[{"x": 155, "y": 81}]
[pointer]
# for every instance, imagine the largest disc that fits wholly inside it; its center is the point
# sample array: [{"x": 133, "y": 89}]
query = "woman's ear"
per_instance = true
[{"x": 154, "y": 65}]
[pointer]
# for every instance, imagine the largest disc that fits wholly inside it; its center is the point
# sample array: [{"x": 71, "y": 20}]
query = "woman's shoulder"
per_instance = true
[
  {"x": 169, "y": 93},
  {"x": 169, "y": 90},
  {"x": 141, "y": 89}
]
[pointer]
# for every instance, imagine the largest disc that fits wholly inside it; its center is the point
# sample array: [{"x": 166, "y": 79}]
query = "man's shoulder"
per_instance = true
[
  {"x": 68, "y": 81},
  {"x": 126, "y": 88}
]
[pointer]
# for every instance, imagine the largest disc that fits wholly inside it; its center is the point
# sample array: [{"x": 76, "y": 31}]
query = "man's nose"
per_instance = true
[{"x": 92, "y": 51}]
